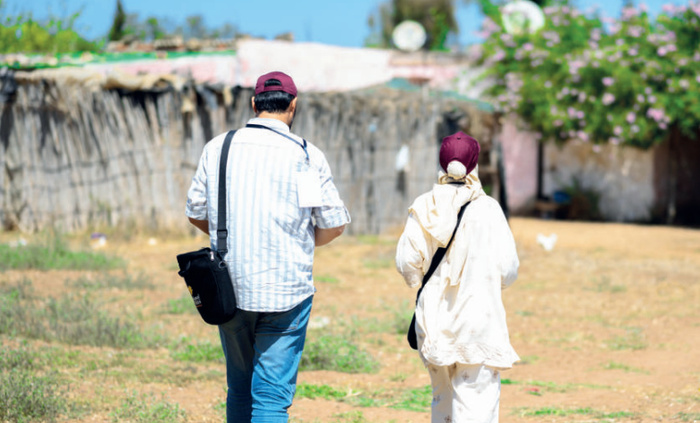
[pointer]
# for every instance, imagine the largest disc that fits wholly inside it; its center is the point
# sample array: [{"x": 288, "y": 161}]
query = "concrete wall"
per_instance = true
[{"x": 623, "y": 177}]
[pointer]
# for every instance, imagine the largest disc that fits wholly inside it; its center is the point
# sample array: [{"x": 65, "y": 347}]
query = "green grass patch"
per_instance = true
[
  {"x": 201, "y": 352},
  {"x": 350, "y": 417},
  {"x": 54, "y": 254},
  {"x": 561, "y": 412},
  {"x": 71, "y": 319},
  {"x": 326, "y": 279},
  {"x": 621, "y": 366},
  {"x": 336, "y": 353},
  {"x": 377, "y": 264},
  {"x": 305, "y": 390},
  {"x": 687, "y": 417},
  {"x": 147, "y": 409},
  {"x": 25, "y": 397},
  {"x": 551, "y": 386},
  {"x": 633, "y": 339},
  {"x": 418, "y": 399},
  {"x": 182, "y": 305},
  {"x": 124, "y": 281}
]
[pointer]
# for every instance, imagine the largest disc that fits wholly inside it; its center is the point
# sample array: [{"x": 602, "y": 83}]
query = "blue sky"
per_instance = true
[{"x": 338, "y": 22}]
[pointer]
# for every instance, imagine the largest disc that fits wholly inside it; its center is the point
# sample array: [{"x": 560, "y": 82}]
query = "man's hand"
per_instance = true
[
  {"x": 202, "y": 225},
  {"x": 324, "y": 236}
]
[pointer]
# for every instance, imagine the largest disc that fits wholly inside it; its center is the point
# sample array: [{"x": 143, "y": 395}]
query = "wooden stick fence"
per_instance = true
[{"x": 78, "y": 157}]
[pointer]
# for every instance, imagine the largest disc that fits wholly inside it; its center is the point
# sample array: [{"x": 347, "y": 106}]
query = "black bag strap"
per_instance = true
[
  {"x": 440, "y": 253},
  {"x": 221, "y": 230},
  {"x": 253, "y": 125}
]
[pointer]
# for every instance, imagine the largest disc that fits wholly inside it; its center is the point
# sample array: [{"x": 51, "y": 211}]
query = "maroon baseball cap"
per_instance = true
[
  {"x": 460, "y": 147},
  {"x": 286, "y": 81}
]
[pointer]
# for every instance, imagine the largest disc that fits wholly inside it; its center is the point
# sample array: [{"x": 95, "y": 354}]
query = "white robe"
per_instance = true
[{"x": 460, "y": 316}]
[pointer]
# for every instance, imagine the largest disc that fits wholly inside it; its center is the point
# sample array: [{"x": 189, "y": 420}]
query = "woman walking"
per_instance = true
[{"x": 461, "y": 329}]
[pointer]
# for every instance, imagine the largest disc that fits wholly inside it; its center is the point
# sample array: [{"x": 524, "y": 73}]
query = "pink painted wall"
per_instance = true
[{"x": 520, "y": 160}]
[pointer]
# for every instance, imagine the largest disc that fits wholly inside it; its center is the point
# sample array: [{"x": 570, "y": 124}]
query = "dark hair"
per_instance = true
[{"x": 273, "y": 101}]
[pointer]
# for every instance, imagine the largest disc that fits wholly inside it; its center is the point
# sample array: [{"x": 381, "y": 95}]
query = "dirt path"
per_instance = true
[{"x": 607, "y": 325}]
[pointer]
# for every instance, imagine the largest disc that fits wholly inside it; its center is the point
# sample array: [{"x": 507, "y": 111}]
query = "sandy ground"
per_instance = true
[{"x": 607, "y": 325}]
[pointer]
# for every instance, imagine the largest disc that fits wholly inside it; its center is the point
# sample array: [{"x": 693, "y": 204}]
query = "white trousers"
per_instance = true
[{"x": 465, "y": 393}]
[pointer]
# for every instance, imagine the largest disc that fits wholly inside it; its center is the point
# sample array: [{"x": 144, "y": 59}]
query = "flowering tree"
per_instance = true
[{"x": 630, "y": 81}]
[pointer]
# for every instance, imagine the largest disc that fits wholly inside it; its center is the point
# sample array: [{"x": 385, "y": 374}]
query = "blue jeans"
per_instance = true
[{"x": 262, "y": 353}]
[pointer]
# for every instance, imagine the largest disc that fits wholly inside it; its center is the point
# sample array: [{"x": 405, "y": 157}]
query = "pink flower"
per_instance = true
[
  {"x": 661, "y": 51},
  {"x": 580, "y": 114},
  {"x": 631, "y": 117},
  {"x": 617, "y": 130},
  {"x": 596, "y": 148},
  {"x": 684, "y": 84},
  {"x": 608, "y": 81},
  {"x": 632, "y": 52},
  {"x": 558, "y": 123},
  {"x": 640, "y": 98},
  {"x": 528, "y": 46},
  {"x": 697, "y": 79},
  {"x": 614, "y": 141},
  {"x": 608, "y": 99},
  {"x": 582, "y": 136},
  {"x": 656, "y": 114}
]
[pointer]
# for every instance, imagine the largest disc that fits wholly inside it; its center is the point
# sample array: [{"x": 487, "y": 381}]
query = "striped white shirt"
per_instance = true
[{"x": 270, "y": 237}]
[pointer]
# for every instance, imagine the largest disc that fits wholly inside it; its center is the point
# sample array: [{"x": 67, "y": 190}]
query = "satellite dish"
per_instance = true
[
  {"x": 409, "y": 36},
  {"x": 522, "y": 16}
]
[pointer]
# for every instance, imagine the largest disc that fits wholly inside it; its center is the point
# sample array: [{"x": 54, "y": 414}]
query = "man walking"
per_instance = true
[{"x": 281, "y": 204}]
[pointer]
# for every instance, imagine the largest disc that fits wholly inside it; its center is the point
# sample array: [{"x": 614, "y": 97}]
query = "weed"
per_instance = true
[
  {"x": 336, "y": 353},
  {"x": 54, "y": 255},
  {"x": 379, "y": 263},
  {"x": 398, "y": 377},
  {"x": 350, "y": 417},
  {"x": 687, "y": 417},
  {"x": 125, "y": 281},
  {"x": 587, "y": 411},
  {"x": 20, "y": 358},
  {"x": 25, "y": 397},
  {"x": 326, "y": 279},
  {"x": 197, "y": 353},
  {"x": 146, "y": 409},
  {"x": 418, "y": 399},
  {"x": 603, "y": 284},
  {"x": 633, "y": 339},
  {"x": 528, "y": 359},
  {"x": 620, "y": 366},
  {"x": 318, "y": 391},
  {"x": 182, "y": 305},
  {"x": 71, "y": 319}
]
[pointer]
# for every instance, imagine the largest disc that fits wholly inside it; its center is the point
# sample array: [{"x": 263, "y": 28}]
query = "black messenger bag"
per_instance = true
[{"x": 205, "y": 271}]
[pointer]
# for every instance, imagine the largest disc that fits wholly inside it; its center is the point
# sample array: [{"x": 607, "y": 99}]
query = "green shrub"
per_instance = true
[
  {"x": 418, "y": 399},
  {"x": 28, "y": 398},
  {"x": 198, "y": 353},
  {"x": 147, "y": 409},
  {"x": 336, "y": 353},
  {"x": 125, "y": 281},
  {"x": 182, "y": 305},
  {"x": 71, "y": 319},
  {"x": 55, "y": 254}
]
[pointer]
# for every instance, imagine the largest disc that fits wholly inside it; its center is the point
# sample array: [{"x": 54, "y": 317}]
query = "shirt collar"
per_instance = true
[{"x": 271, "y": 123}]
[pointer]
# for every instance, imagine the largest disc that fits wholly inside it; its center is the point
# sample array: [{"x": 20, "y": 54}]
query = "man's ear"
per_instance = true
[
  {"x": 252, "y": 103},
  {"x": 292, "y": 106}
]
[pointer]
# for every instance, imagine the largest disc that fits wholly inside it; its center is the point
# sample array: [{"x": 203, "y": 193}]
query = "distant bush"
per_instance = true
[
  {"x": 54, "y": 254},
  {"x": 138, "y": 408},
  {"x": 25, "y": 397},
  {"x": 337, "y": 353},
  {"x": 22, "y": 34},
  {"x": 72, "y": 319}
]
